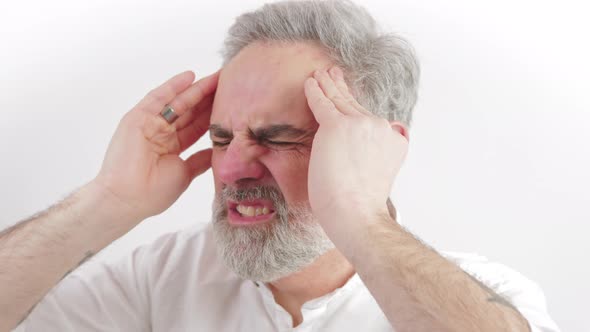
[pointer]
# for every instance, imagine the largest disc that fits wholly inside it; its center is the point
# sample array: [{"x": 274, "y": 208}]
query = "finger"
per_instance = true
[
  {"x": 322, "y": 108},
  {"x": 188, "y": 118},
  {"x": 155, "y": 100},
  {"x": 192, "y": 96},
  {"x": 194, "y": 130},
  {"x": 333, "y": 93},
  {"x": 199, "y": 162},
  {"x": 338, "y": 77}
]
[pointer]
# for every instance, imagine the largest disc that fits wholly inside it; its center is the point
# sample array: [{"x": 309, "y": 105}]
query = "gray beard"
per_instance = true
[{"x": 271, "y": 250}]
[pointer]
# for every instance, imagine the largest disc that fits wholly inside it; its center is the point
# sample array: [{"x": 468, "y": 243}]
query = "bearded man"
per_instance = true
[{"x": 309, "y": 119}]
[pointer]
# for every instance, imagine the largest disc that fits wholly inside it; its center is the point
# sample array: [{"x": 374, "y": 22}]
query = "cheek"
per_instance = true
[{"x": 289, "y": 171}]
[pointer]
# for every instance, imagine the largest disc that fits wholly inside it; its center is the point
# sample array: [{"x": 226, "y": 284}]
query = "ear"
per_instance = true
[{"x": 400, "y": 128}]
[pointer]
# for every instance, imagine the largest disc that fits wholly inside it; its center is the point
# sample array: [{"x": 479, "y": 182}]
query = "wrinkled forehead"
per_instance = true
[{"x": 264, "y": 82}]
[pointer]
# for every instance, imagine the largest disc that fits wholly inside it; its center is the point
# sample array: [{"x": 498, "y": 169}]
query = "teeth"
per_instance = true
[{"x": 251, "y": 211}]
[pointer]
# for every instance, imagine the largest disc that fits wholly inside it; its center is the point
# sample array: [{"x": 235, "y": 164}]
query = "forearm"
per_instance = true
[
  {"x": 37, "y": 253},
  {"x": 419, "y": 290}
]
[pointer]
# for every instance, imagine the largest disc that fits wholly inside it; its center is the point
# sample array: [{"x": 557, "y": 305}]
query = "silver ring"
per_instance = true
[{"x": 168, "y": 114}]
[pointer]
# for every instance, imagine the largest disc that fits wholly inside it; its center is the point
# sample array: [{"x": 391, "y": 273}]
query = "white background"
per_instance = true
[{"x": 499, "y": 157}]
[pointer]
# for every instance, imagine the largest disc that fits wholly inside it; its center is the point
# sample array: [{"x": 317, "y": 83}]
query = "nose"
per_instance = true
[{"x": 239, "y": 163}]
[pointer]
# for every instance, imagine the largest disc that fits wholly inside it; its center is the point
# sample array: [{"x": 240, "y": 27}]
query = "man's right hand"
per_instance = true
[
  {"x": 142, "y": 175},
  {"x": 142, "y": 168}
]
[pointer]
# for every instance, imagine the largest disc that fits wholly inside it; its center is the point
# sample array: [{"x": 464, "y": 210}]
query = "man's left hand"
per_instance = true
[{"x": 355, "y": 156}]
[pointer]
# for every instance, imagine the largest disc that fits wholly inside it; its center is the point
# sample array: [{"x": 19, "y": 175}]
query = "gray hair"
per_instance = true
[{"x": 382, "y": 68}]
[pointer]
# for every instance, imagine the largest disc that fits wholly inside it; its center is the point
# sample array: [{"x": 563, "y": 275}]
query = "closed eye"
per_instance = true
[
  {"x": 217, "y": 143},
  {"x": 278, "y": 143},
  {"x": 262, "y": 142}
]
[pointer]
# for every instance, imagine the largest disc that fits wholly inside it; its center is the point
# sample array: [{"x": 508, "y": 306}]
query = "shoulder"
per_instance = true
[
  {"x": 190, "y": 252},
  {"x": 120, "y": 294},
  {"x": 526, "y": 295}
]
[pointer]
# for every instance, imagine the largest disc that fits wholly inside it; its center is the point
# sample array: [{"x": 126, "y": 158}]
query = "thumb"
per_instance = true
[{"x": 198, "y": 163}]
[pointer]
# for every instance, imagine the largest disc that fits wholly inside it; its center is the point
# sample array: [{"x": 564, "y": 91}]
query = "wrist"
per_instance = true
[
  {"x": 365, "y": 243},
  {"x": 112, "y": 209},
  {"x": 349, "y": 230}
]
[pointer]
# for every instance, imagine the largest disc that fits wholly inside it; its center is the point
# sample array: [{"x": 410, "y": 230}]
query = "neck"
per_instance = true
[{"x": 327, "y": 273}]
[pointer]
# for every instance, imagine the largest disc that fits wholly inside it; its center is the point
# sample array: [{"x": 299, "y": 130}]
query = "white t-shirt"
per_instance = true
[{"x": 179, "y": 283}]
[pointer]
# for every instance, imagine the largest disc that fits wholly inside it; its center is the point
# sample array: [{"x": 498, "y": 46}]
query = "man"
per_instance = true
[{"x": 309, "y": 121}]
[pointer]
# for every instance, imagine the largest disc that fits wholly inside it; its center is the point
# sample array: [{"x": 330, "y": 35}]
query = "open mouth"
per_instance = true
[{"x": 246, "y": 212}]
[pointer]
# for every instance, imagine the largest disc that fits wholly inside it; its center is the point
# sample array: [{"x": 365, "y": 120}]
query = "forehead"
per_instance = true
[{"x": 264, "y": 83}]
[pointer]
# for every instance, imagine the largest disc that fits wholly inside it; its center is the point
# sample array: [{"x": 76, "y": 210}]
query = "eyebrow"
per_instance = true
[
  {"x": 218, "y": 131},
  {"x": 269, "y": 132},
  {"x": 280, "y": 130}
]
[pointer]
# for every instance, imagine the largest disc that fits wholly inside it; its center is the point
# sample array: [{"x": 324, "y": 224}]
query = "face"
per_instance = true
[{"x": 262, "y": 131}]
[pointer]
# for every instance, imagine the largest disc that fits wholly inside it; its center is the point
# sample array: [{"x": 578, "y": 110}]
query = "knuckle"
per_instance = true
[
  {"x": 346, "y": 96},
  {"x": 349, "y": 100},
  {"x": 328, "y": 104},
  {"x": 156, "y": 95},
  {"x": 180, "y": 103},
  {"x": 338, "y": 98},
  {"x": 319, "y": 100},
  {"x": 200, "y": 93}
]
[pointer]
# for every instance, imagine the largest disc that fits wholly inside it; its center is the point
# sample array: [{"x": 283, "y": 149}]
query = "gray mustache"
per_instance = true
[{"x": 251, "y": 193}]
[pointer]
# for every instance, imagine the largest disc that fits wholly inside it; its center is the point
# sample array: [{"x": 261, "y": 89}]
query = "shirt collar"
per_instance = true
[{"x": 352, "y": 283}]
